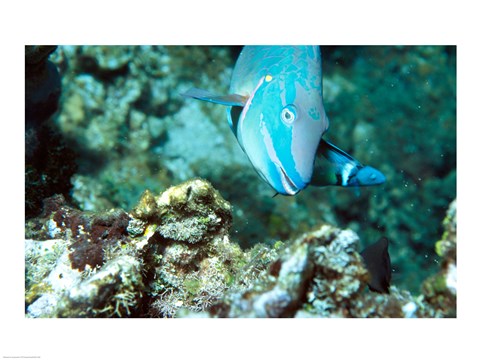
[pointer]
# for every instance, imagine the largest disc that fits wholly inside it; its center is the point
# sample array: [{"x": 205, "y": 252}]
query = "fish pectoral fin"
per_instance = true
[
  {"x": 227, "y": 100},
  {"x": 334, "y": 166}
]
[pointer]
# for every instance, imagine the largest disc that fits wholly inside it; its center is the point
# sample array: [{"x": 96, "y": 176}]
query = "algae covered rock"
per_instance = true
[
  {"x": 318, "y": 270},
  {"x": 81, "y": 264},
  {"x": 171, "y": 251},
  {"x": 440, "y": 290},
  {"x": 320, "y": 274},
  {"x": 193, "y": 211},
  {"x": 277, "y": 292},
  {"x": 172, "y": 256},
  {"x": 190, "y": 261},
  {"x": 114, "y": 290}
]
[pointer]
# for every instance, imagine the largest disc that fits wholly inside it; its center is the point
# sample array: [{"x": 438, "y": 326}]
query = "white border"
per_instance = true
[{"x": 236, "y": 23}]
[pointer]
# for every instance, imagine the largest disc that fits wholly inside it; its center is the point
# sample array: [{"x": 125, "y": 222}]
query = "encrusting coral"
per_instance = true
[
  {"x": 174, "y": 248},
  {"x": 320, "y": 274},
  {"x": 172, "y": 256},
  {"x": 190, "y": 261},
  {"x": 80, "y": 264},
  {"x": 440, "y": 290}
]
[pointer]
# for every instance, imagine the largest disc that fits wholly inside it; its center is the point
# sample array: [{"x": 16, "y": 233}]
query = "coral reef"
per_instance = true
[
  {"x": 173, "y": 256},
  {"x": 440, "y": 290},
  {"x": 174, "y": 249},
  {"x": 122, "y": 127},
  {"x": 80, "y": 264},
  {"x": 320, "y": 274},
  {"x": 121, "y": 110},
  {"x": 49, "y": 161},
  {"x": 49, "y": 166},
  {"x": 190, "y": 261}
]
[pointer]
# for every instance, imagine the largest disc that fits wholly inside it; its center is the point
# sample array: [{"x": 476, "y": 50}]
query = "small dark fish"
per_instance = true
[{"x": 377, "y": 261}]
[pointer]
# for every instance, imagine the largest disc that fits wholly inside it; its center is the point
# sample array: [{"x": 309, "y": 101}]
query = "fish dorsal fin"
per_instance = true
[{"x": 227, "y": 100}]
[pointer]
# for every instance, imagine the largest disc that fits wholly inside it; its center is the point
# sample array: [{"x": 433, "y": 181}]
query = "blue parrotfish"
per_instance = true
[{"x": 275, "y": 109}]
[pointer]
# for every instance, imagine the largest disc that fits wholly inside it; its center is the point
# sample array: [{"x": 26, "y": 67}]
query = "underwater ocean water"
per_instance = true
[{"x": 106, "y": 123}]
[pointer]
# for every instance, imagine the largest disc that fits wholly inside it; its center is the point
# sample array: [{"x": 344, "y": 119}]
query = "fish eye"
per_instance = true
[{"x": 288, "y": 114}]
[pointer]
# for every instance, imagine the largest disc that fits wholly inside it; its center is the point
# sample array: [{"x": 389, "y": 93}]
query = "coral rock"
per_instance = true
[
  {"x": 440, "y": 290},
  {"x": 190, "y": 261},
  {"x": 192, "y": 211},
  {"x": 321, "y": 266},
  {"x": 172, "y": 256}
]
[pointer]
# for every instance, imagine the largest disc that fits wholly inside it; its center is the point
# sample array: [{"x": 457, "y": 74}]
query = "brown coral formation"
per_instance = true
[
  {"x": 176, "y": 244},
  {"x": 320, "y": 274},
  {"x": 172, "y": 256},
  {"x": 191, "y": 261}
]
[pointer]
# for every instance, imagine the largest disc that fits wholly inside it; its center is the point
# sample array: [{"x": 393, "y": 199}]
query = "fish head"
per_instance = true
[{"x": 280, "y": 128}]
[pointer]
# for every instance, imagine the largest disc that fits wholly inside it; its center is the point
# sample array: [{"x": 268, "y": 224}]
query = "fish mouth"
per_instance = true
[{"x": 287, "y": 183}]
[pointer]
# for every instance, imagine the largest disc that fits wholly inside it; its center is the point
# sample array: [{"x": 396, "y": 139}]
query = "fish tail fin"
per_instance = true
[{"x": 227, "y": 100}]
